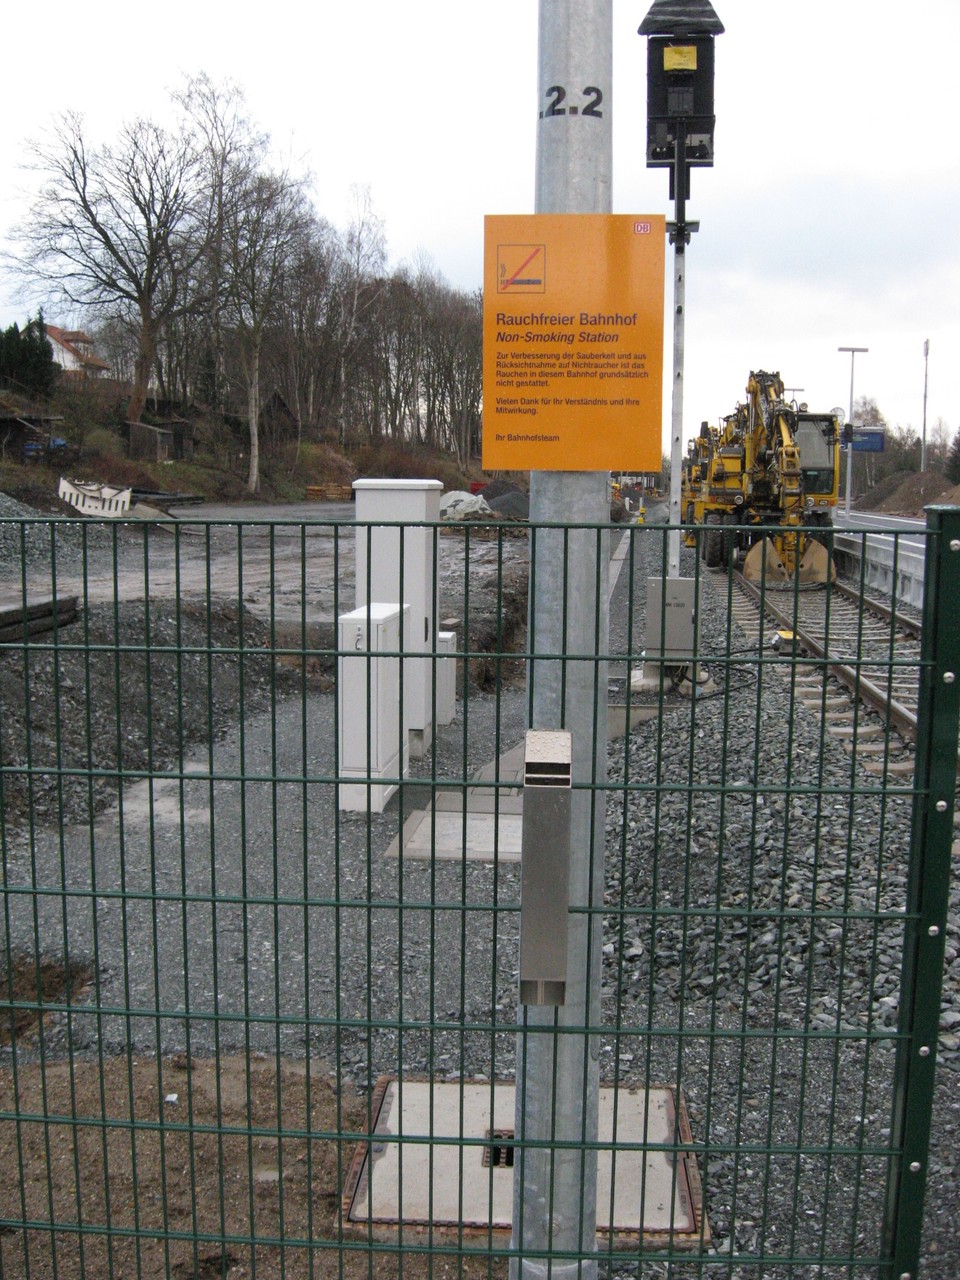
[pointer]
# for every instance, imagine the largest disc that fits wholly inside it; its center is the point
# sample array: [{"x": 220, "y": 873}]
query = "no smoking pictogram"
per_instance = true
[{"x": 521, "y": 268}]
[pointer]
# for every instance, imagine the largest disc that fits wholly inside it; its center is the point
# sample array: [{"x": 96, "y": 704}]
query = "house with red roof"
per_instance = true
[{"x": 73, "y": 352}]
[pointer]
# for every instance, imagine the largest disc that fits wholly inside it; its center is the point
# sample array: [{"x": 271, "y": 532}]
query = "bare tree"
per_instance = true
[
  {"x": 116, "y": 228},
  {"x": 229, "y": 144},
  {"x": 305, "y": 350},
  {"x": 202, "y": 262},
  {"x": 388, "y": 358},
  {"x": 117, "y": 343},
  {"x": 265, "y": 215},
  {"x": 870, "y": 468},
  {"x": 938, "y": 446},
  {"x": 452, "y": 366},
  {"x": 362, "y": 264},
  {"x": 952, "y": 467}
]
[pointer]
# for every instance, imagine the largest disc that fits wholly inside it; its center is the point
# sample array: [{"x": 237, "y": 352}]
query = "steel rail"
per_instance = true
[
  {"x": 899, "y": 715},
  {"x": 902, "y": 620}
]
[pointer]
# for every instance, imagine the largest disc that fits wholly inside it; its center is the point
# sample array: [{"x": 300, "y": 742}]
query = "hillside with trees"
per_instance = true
[
  {"x": 216, "y": 289},
  {"x": 213, "y": 285},
  {"x": 892, "y": 480}
]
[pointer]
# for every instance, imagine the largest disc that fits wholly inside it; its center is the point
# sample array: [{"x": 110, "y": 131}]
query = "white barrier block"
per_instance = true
[
  {"x": 446, "y": 677},
  {"x": 373, "y": 747}
]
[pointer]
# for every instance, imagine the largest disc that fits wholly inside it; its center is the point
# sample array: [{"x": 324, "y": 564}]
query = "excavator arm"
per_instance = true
[
  {"x": 749, "y": 473},
  {"x": 792, "y": 552}
]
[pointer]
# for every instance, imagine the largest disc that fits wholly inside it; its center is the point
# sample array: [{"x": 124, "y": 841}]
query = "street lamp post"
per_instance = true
[
  {"x": 923, "y": 439},
  {"x": 853, "y": 355}
]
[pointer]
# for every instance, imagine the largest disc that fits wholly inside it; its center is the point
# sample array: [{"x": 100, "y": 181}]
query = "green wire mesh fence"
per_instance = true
[{"x": 259, "y": 984}]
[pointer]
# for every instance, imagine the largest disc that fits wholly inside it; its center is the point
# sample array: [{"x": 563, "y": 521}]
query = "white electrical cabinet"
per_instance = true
[
  {"x": 398, "y": 563},
  {"x": 373, "y": 746}
]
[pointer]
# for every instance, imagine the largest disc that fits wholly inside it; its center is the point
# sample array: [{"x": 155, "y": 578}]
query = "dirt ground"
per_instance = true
[{"x": 172, "y": 1174}]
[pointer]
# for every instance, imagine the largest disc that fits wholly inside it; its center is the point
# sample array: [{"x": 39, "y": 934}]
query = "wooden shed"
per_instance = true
[{"x": 146, "y": 443}]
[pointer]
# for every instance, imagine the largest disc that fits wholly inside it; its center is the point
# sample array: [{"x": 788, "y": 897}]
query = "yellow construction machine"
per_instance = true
[{"x": 769, "y": 463}]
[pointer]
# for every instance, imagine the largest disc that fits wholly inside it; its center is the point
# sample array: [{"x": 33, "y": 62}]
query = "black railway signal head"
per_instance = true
[{"x": 680, "y": 70}]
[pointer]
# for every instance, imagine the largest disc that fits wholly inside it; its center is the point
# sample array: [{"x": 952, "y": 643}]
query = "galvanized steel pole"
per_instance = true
[
  {"x": 558, "y": 1074},
  {"x": 680, "y": 235},
  {"x": 676, "y": 414},
  {"x": 923, "y": 438}
]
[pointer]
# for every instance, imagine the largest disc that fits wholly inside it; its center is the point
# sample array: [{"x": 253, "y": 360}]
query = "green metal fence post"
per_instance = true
[{"x": 927, "y": 890}]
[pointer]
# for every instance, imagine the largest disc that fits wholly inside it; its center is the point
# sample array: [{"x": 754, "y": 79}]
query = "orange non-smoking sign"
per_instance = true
[{"x": 572, "y": 342}]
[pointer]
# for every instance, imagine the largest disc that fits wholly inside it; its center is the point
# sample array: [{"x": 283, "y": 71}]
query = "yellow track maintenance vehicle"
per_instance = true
[
  {"x": 694, "y": 469},
  {"x": 769, "y": 463}
]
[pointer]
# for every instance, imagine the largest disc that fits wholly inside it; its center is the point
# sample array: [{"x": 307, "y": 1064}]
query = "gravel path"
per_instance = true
[{"x": 279, "y": 951}]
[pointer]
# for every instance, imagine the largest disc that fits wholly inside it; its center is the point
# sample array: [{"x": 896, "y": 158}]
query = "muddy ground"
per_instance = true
[{"x": 204, "y": 1160}]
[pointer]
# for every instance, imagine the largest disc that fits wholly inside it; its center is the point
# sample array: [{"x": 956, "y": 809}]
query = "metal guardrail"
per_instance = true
[{"x": 889, "y": 566}]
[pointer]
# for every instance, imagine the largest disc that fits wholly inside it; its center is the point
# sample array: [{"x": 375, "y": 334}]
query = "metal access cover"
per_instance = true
[{"x": 449, "y": 1182}]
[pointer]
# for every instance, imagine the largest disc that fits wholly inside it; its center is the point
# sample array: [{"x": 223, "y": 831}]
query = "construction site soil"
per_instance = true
[{"x": 908, "y": 492}]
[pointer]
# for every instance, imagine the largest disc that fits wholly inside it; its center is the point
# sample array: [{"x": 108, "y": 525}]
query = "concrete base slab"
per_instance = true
[
  {"x": 643, "y": 681},
  {"x": 479, "y": 801},
  {"x": 420, "y": 741},
  {"x": 494, "y": 818},
  {"x": 463, "y": 1174},
  {"x": 508, "y": 770},
  {"x": 483, "y": 837},
  {"x": 651, "y": 683}
]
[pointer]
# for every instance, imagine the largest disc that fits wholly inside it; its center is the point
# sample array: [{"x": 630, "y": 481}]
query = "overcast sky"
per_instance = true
[{"x": 830, "y": 219}]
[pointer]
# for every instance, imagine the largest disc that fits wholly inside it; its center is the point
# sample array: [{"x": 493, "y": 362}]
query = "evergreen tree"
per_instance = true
[
  {"x": 9, "y": 344},
  {"x": 953, "y": 460},
  {"x": 26, "y": 359}
]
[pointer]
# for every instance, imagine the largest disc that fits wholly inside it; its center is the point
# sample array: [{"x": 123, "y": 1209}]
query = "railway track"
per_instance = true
[{"x": 850, "y": 650}]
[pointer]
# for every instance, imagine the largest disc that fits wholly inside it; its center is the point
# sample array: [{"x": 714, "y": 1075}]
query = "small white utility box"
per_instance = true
[
  {"x": 671, "y": 621},
  {"x": 395, "y": 563},
  {"x": 446, "y": 677},
  {"x": 372, "y": 745}
]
